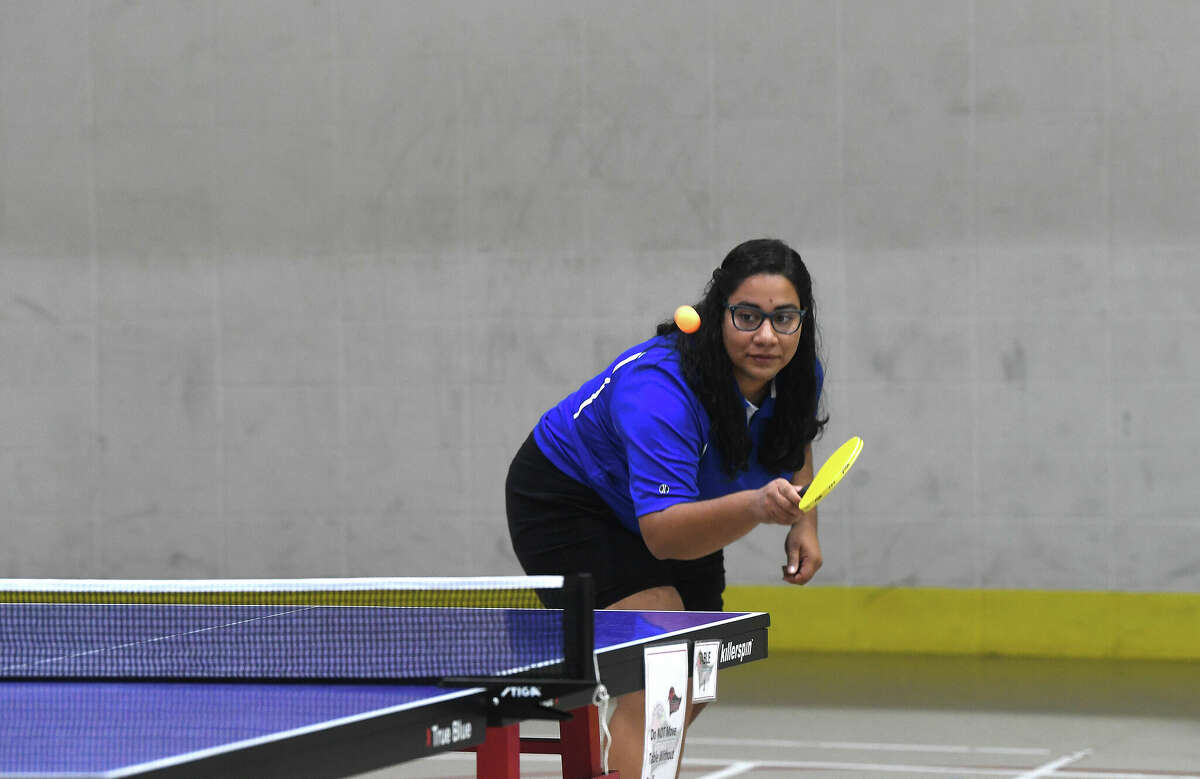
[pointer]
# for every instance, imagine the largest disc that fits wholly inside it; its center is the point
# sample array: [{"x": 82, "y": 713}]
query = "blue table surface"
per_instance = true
[{"x": 96, "y": 726}]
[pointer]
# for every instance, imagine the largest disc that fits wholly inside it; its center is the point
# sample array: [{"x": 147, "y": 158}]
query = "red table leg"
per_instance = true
[
  {"x": 499, "y": 755},
  {"x": 578, "y": 744},
  {"x": 580, "y": 737}
]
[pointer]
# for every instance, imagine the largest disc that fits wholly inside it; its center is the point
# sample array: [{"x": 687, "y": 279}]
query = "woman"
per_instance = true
[{"x": 681, "y": 446}]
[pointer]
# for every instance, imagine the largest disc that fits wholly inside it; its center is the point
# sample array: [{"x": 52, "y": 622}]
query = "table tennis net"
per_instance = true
[{"x": 310, "y": 629}]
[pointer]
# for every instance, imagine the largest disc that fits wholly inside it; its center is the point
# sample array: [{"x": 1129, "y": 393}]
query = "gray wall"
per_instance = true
[{"x": 283, "y": 285}]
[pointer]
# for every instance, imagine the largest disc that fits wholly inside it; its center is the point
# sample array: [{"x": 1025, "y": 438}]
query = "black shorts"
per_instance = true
[{"x": 560, "y": 526}]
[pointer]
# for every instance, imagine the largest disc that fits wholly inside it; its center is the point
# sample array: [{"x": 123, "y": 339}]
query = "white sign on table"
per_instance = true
[
  {"x": 704, "y": 671},
  {"x": 666, "y": 707}
]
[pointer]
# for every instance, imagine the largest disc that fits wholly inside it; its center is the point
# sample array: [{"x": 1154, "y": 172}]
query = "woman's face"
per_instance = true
[{"x": 760, "y": 354}]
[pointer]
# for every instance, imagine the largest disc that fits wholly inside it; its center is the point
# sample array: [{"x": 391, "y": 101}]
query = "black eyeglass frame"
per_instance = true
[{"x": 761, "y": 315}]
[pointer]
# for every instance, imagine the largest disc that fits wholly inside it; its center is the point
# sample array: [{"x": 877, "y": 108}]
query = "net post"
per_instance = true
[{"x": 579, "y": 627}]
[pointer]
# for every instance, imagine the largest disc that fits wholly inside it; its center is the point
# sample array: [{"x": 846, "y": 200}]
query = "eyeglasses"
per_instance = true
[{"x": 783, "y": 321}]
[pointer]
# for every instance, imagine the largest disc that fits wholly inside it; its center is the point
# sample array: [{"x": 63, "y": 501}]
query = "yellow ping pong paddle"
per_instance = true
[{"x": 830, "y": 473}]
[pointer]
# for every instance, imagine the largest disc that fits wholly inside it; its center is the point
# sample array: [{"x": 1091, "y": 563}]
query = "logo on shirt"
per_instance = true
[{"x": 663, "y": 489}]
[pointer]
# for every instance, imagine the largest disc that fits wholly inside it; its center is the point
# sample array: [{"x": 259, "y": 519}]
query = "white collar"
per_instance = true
[{"x": 752, "y": 409}]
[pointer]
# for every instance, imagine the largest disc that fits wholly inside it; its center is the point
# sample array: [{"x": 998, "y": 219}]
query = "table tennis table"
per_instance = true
[{"x": 206, "y": 728}]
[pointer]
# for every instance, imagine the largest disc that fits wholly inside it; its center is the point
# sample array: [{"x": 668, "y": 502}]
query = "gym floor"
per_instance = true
[{"x": 864, "y": 715}]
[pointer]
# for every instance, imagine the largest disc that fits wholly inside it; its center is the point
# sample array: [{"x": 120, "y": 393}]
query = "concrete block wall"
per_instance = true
[{"x": 283, "y": 285}]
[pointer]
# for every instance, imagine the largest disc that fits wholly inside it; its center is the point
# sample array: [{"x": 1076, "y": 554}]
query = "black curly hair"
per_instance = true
[{"x": 709, "y": 371}]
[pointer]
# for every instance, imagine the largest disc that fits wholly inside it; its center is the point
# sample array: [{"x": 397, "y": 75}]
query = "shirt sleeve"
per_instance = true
[{"x": 663, "y": 437}]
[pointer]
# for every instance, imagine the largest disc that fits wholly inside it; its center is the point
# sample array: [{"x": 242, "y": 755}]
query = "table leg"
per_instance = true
[
  {"x": 499, "y": 755},
  {"x": 580, "y": 744}
]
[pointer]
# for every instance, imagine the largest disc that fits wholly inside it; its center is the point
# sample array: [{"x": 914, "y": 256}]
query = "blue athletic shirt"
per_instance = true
[{"x": 639, "y": 436}]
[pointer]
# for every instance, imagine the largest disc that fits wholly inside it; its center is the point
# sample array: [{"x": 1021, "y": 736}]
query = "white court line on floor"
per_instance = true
[
  {"x": 898, "y": 768},
  {"x": 894, "y": 768},
  {"x": 737, "y": 769},
  {"x": 866, "y": 746},
  {"x": 1051, "y": 768},
  {"x": 1083, "y": 773}
]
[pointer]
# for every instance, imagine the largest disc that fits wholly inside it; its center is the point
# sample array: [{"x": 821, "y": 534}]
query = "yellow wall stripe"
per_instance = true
[{"x": 1028, "y": 623}]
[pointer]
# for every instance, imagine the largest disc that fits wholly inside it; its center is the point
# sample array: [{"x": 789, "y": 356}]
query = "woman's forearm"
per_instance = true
[{"x": 687, "y": 531}]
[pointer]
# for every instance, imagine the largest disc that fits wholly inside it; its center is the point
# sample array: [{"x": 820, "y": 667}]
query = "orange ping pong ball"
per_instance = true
[{"x": 687, "y": 319}]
